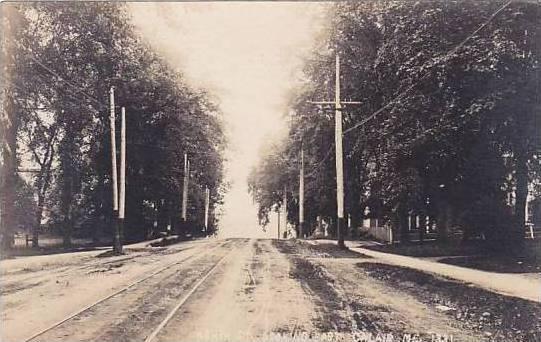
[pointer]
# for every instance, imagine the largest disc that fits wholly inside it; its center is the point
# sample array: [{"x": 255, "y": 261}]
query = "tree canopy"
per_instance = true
[
  {"x": 60, "y": 60},
  {"x": 449, "y": 120}
]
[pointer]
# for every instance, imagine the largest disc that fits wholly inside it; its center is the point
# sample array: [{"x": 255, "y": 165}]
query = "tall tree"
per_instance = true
[
  {"x": 451, "y": 86},
  {"x": 63, "y": 62}
]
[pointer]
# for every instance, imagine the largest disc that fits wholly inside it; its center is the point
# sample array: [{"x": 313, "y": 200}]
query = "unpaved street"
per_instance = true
[{"x": 243, "y": 290}]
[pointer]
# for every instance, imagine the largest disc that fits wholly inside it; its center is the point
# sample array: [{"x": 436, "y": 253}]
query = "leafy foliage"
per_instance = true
[
  {"x": 457, "y": 123},
  {"x": 65, "y": 60}
]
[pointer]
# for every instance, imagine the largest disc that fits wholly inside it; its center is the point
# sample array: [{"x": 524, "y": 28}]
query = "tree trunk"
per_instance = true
[
  {"x": 163, "y": 215},
  {"x": 137, "y": 223},
  {"x": 154, "y": 226},
  {"x": 176, "y": 222},
  {"x": 67, "y": 197},
  {"x": 43, "y": 185},
  {"x": 102, "y": 216},
  {"x": 37, "y": 226},
  {"x": 402, "y": 221},
  {"x": 355, "y": 223},
  {"x": 422, "y": 228},
  {"x": 521, "y": 172},
  {"x": 443, "y": 221},
  {"x": 169, "y": 220},
  {"x": 9, "y": 124},
  {"x": 8, "y": 175}
]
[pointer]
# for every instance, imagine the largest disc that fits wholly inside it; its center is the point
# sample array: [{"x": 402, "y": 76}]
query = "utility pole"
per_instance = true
[
  {"x": 117, "y": 247},
  {"x": 301, "y": 195},
  {"x": 207, "y": 204},
  {"x": 339, "y": 157},
  {"x": 185, "y": 189},
  {"x": 285, "y": 208},
  {"x": 339, "y": 152},
  {"x": 278, "y": 212},
  {"x": 122, "y": 192}
]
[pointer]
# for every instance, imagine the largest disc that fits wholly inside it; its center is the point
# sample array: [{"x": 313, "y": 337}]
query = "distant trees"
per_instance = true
[
  {"x": 458, "y": 138},
  {"x": 266, "y": 182},
  {"x": 60, "y": 59}
]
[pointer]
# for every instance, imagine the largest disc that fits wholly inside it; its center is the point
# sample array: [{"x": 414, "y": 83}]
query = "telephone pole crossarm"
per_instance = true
[{"x": 333, "y": 103}]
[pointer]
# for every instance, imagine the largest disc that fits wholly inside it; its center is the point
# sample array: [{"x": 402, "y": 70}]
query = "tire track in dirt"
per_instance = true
[
  {"x": 316, "y": 282},
  {"x": 496, "y": 316},
  {"x": 349, "y": 302},
  {"x": 251, "y": 297}
]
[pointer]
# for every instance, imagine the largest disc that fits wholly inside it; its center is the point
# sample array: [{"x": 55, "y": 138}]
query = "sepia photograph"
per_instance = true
[{"x": 270, "y": 171}]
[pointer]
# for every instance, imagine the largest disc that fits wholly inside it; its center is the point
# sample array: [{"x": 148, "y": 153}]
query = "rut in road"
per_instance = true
[
  {"x": 134, "y": 313},
  {"x": 249, "y": 298},
  {"x": 350, "y": 301}
]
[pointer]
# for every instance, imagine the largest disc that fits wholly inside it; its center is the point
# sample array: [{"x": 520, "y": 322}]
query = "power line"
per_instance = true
[
  {"x": 66, "y": 92},
  {"x": 25, "y": 90},
  {"x": 51, "y": 71},
  {"x": 317, "y": 168},
  {"x": 404, "y": 92},
  {"x": 171, "y": 149},
  {"x": 445, "y": 58}
]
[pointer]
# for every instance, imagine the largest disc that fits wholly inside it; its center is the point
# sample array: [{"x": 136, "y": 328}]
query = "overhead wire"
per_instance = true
[
  {"x": 444, "y": 58},
  {"x": 52, "y": 72}
]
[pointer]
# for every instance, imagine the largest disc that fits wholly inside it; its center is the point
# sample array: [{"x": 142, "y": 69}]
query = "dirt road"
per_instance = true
[{"x": 247, "y": 290}]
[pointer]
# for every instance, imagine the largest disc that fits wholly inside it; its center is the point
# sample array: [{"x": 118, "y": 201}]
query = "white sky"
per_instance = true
[{"x": 248, "y": 54}]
